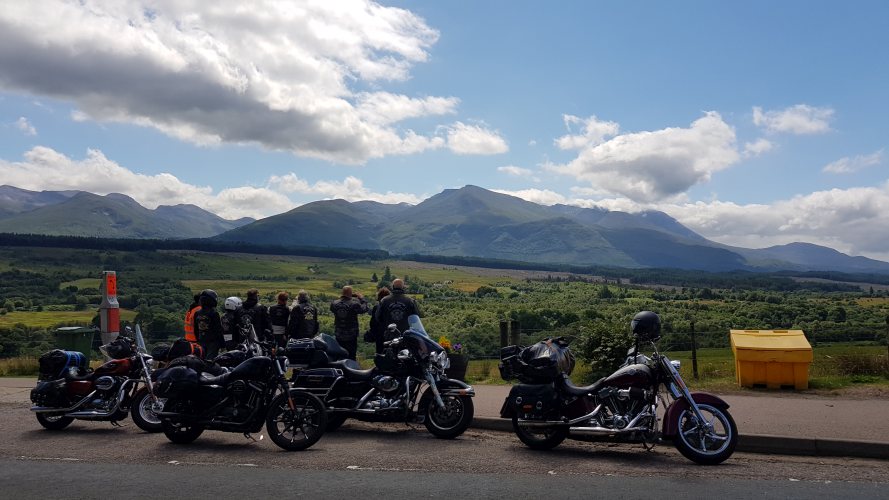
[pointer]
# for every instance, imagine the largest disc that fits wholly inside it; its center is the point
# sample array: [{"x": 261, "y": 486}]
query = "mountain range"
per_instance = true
[
  {"x": 470, "y": 221},
  {"x": 79, "y": 213}
]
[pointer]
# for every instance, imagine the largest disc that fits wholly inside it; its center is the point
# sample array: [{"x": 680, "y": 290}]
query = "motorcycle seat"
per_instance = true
[
  {"x": 80, "y": 375},
  {"x": 210, "y": 379},
  {"x": 345, "y": 363},
  {"x": 357, "y": 375},
  {"x": 574, "y": 390}
]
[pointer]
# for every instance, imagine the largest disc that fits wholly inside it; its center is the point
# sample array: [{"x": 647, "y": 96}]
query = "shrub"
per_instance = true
[{"x": 603, "y": 346}]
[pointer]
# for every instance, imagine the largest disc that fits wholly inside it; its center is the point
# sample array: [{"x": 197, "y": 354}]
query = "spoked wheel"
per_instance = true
[
  {"x": 298, "y": 427},
  {"x": 143, "y": 411},
  {"x": 53, "y": 422},
  {"x": 181, "y": 433},
  {"x": 450, "y": 421},
  {"x": 539, "y": 438},
  {"x": 709, "y": 442}
]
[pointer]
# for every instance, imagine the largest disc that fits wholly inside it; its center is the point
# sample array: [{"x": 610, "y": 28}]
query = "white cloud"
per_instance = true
[
  {"x": 283, "y": 75},
  {"x": 650, "y": 166},
  {"x": 757, "y": 147},
  {"x": 516, "y": 171},
  {"x": 593, "y": 132},
  {"x": 466, "y": 139},
  {"x": 799, "y": 119},
  {"x": 25, "y": 126},
  {"x": 539, "y": 196},
  {"x": 847, "y": 165},
  {"x": 46, "y": 169},
  {"x": 351, "y": 189}
]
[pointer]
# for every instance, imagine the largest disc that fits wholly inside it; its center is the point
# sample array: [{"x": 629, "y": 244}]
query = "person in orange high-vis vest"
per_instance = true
[{"x": 189, "y": 320}]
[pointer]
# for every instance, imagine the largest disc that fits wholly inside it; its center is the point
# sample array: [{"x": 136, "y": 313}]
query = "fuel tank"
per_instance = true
[
  {"x": 256, "y": 368},
  {"x": 119, "y": 367},
  {"x": 638, "y": 375}
]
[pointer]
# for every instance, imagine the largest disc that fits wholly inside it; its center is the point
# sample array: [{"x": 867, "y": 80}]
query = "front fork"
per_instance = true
[
  {"x": 437, "y": 395},
  {"x": 678, "y": 389}
]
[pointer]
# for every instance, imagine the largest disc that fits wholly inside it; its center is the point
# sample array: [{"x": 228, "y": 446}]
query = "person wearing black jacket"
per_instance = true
[
  {"x": 345, "y": 319},
  {"x": 207, "y": 326},
  {"x": 396, "y": 308},
  {"x": 231, "y": 331},
  {"x": 303, "y": 318},
  {"x": 279, "y": 315},
  {"x": 377, "y": 331},
  {"x": 258, "y": 314}
]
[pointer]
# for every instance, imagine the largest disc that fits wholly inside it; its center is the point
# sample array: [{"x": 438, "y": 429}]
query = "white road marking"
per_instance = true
[{"x": 64, "y": 459}]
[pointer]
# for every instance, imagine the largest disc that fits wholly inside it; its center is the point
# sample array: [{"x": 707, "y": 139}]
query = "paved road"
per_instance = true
[{"x": 365, "y": 459}]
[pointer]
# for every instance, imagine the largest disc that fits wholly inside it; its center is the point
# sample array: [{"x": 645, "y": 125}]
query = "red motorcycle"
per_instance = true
[{"x": 67, "y": 389}]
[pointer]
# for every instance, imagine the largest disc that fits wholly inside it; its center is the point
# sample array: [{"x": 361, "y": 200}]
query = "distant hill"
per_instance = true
[
  {"x": 80, "y": 213},
  {"x": 474, "y": 222},
  {"x": 466, "y": 222}
]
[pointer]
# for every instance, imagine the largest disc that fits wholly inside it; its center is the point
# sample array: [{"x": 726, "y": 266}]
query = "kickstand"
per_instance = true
[
  {"x": 251, "y": 438},
  {"x": 115, "y": 424}
]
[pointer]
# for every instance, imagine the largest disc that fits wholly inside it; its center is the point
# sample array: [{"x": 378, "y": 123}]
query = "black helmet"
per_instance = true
[
  {"x": 208, "y": 298},
  {"x": 646, "y": 326}
]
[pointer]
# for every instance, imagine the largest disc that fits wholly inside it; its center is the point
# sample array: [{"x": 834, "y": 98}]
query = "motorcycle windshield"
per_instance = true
[{"x": 416, "y": 325}]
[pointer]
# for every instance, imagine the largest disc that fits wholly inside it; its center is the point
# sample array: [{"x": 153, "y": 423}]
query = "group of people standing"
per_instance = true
[{"x": 281, "y": 322}]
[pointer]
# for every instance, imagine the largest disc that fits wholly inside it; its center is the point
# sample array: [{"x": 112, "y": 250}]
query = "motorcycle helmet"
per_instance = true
[
  {"x": 119, "y": 348},
  {"x": 646, "y": 326},
  {"x": 208, "y": 298},
  {"x": 232, "y": 303}
]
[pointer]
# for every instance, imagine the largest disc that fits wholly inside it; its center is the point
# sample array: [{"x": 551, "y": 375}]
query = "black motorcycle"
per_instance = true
[
  {"x": 408, "y": 383},
  {"x": 253, "y": 393},
  {"x": 623, "y": 407}
]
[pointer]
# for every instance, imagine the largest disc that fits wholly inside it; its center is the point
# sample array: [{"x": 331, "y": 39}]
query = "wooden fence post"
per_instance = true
[
  {"x": 504, "y": 333},
  {"x": 515, "y": 332},
  {"x": 694, "y": 351}
]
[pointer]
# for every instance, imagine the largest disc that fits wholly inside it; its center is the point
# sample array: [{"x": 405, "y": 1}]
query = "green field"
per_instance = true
[{"x": 48, "y": 319}]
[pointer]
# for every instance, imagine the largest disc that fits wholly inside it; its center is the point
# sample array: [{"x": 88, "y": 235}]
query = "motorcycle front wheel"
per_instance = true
[
  {"x": 539, "y": 438},
  {"x": 54, "y": 422},
  {"x": 143, "y": 411},
  {"x": 299, "y": 427},
  {"x": 450, "y": 421},
  {"x": 181, "y": 433},
  {"x": 706, "y": 443}
]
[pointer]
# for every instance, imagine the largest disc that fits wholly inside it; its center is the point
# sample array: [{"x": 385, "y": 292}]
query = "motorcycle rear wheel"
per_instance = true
[
  {"x": 143, "y": 414},
  {"x": 298, "y": 428},
  {"x": 543, "y": 439},
  {"x": 181, "y": 433},
  {"x": 706, "y": 446},
  {"x": 451, "y": 421},
  {"x": 54, "y": 422}
]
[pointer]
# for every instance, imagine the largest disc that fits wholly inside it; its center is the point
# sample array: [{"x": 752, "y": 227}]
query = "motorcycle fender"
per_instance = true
[
  {"x": 678, "y": 406},
  {"x": 508, "y": 409},
  {"x": 451, "y": 387}
]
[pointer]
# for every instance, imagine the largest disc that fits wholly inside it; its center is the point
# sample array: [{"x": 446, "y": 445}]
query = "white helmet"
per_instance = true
[{"x": 232, "y": 303}]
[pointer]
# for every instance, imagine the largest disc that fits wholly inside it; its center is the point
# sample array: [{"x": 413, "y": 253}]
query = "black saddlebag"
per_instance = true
[
  {"x": 175, "y": 381},
  {"x": 300, "y": 352},
  {"x": 531, "y": 402},
  {"x": 50, "y": 393},
  {"x": 55, "y": 363}
]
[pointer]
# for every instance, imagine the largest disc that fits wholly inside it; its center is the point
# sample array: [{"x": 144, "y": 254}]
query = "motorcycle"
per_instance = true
[
  {"x": 253, "y": 393},
  {"x": 67, "y": 389},
  {"x": 408, "y": 383},
  {"x": 623, "y": 407}
]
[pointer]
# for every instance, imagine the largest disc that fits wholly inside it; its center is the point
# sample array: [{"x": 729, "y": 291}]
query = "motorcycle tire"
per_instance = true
[
  {"x": 694, "y": 444},
  {"x": 451, "y": 422},
  {"x": 180, "y": 433},
  {"x": 544, "y": 439},
  {"x": 335, "y": 421},
  {"x": 298, "y": 428},
  {"x": 142, "y": 412},
  {"x": 54, "y": 422}
]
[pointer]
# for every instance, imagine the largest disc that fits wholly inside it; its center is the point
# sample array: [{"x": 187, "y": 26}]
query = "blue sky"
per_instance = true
[{"x": 753, "y": 123}]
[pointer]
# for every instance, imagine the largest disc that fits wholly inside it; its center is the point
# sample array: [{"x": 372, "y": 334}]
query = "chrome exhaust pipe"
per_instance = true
[
  {"x": 49, "y": 409},
  {"x": 601, "y": 431}
]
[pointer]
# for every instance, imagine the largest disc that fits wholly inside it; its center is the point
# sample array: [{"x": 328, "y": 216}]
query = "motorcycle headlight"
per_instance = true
[{"x": 442, "y": 361}]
